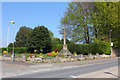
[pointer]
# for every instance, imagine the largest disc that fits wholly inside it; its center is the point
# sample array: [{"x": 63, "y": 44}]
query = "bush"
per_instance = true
[
  {"x": 75, "y": 54},
  {"x": 56, "y": 50},
  {"x": 56, "y": 53},
  {"x": 4, "y": 51},
  {"x": 93, "y": 48},
  {"x": 53, "y": 54},
  {"x": 41, "y": 54},
  {"x": 16, "y": 49},
  {"x": 62, "y": 54}
]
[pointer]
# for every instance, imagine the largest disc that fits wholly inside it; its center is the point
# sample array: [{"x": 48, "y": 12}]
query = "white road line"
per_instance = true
[{"x": 72, "y": 76}]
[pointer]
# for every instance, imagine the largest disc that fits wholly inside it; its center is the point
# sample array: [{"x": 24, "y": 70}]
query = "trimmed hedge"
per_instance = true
[
  {"x": 78, "y": 48},
  {"x": 16, "y": 49},
  {"x": 87, "y": 48}
]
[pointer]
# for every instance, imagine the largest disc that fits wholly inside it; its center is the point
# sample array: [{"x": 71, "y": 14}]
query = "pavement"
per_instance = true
[
  {"x": 55, "y": 70},
  {"x": 105, "y": 73}
]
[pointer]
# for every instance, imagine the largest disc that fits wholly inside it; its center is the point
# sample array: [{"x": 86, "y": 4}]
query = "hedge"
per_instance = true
[
  {"x": 87, "y": 48},
  {"x": 16, "y": 49},
  {"x": 78, "y": 48}
]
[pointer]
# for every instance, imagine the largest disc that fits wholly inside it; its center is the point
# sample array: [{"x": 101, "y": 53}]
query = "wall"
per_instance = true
[
  {"x": 9, "y": 58},
  {"x": 115, "y": 52}
]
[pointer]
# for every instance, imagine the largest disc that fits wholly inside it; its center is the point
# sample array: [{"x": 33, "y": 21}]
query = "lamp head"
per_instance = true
[{"x": 12, "y": 22}]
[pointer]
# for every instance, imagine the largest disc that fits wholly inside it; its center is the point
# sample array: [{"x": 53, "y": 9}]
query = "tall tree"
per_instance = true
[
  {"x": 51, "y": 34},
  {"x": 22, "y": 36},
  {"x": 104, "y": 19},
  {"x": 39, "y": 38},
  {"x": 86, "y": 22},
  {"x": 55, "y": 40},
  {"x": 76, "y": 21},
  {"x": 67, "y": 41}
]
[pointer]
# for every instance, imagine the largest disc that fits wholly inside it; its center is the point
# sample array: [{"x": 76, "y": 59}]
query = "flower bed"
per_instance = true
[{"x": 49, "y": 54}]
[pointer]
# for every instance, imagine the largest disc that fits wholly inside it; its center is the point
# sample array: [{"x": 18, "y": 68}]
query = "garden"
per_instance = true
[{"x": 75, "y": 49}]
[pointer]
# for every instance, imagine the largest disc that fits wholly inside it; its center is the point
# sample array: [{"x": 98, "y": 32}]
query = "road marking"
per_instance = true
[
  {"x": 72, "y": 76},
  {"x": 35, "y": 71}
]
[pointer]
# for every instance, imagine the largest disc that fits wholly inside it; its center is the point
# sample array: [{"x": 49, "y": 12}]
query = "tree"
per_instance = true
[
  {"x": 76, "y": 21},
  {"x": 87, "y": 22},
  {"x": 39, "y": 38},
  {"x": 67, "y": 41},
  {"x": 55, "y": 42},
  {"x": 10, "y": 45},
  {"x": 104, "y": 19},
  {"x": 51, "y": 34},
  {"x": 22, "y": 36}
]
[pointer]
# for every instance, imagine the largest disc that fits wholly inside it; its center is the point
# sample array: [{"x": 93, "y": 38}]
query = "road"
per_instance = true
[{"x": 69, "y": 70}]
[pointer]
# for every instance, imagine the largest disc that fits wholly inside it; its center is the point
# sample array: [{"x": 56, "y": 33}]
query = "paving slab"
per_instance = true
[{"x": 106, "y": 73}]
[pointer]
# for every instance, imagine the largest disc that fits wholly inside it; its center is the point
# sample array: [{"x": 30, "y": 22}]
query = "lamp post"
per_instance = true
[
  {"x": 7, "y": 38},
  {"x": 13, "y": 41},
  {"x": 110, "y": 44}
]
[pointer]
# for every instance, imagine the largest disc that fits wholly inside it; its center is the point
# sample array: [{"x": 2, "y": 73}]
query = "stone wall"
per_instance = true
[
  {"x": 70, "y": 59},
  {"x": 16, "y": 58},
  {"x": 55, "y": 59},
  {"x": 6, "y": 58}
]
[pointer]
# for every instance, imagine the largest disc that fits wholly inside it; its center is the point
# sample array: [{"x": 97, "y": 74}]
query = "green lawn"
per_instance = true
[
  {"x": 44, "y": 55},
  {"x": 20, "y": 55}
]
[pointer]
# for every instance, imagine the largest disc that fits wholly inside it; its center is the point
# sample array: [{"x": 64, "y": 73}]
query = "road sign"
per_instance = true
[{"x": 111, "y": 44}]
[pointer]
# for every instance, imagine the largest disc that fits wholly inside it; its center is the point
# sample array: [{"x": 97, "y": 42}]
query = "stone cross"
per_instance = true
[
  {"x": 64, "y": 46},
  {"x": 64, "y": 50},
  {"x": 64, "y": 37}
]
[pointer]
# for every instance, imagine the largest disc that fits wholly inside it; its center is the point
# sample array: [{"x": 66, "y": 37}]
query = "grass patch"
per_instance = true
[
  {"x": 27, "y": 55},
  {"x": 18, "y": 55}
]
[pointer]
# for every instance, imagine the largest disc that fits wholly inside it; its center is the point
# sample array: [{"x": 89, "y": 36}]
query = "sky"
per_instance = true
[{"x": 31, "y": 14}]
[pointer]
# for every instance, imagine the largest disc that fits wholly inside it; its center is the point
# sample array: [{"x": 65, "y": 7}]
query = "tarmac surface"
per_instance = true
[{"x": 55, "y": 70}]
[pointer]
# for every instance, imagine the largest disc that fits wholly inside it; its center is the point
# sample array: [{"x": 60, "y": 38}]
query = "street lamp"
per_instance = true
[
  {"x": 110, "y": 44},
  {"x": 13, "y": 41},
  {"x": 7, "y": 38}
]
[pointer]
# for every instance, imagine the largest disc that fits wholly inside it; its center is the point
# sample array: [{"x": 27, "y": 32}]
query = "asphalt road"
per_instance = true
[{"x": 70, "y": 72}]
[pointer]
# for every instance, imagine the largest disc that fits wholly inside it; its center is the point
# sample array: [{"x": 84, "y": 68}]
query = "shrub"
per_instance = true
[
  {"x": 53, "y": 54},
  {"x": 56, "y": 53},
  {"x": 62, "y": 54},
  {"x": 59, "y": 46},
  {"x": 75, "y": 54},
  {"x": 86, "y": 57},
  {"x": 16, "y": 49},
  {"x": 56, "y": 50},
  {"x": 4, "y": 51},
  {"x": 101, "y": 47},
  {"x": 41, "y": 54}
]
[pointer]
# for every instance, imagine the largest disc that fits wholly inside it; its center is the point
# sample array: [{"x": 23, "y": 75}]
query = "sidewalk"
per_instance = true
[{"x": 106, "y": 73}]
